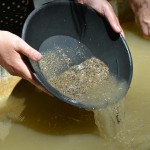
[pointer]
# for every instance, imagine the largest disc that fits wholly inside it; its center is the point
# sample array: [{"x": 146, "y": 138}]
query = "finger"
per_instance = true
[
  {"x": 145, "y": 28},
  {"x": 122, "y": 32},
  {"x": 22, "y": 70},
  {"x": 108, "y": 13},
  {"x": 111, "y": 17},
  {"x": 22, "y": 47}
]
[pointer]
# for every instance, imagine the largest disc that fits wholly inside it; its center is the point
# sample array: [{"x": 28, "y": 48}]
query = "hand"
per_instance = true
[
  {"x": 105, "y": 9},
  {"x": 11, "y": 48},
  {"x": 141, "y": 9}
]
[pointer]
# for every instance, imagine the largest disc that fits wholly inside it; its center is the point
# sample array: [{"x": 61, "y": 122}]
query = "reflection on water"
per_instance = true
[
  {"x": 49, "y": 115},
  {"x": 32, "y": 120}
]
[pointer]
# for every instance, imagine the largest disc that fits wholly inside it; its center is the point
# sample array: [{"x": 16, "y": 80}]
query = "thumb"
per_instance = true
[{"x": 23, "y": 48}]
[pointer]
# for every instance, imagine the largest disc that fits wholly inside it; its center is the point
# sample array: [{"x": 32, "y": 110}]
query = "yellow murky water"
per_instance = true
[{"x": 34, "y": 121}]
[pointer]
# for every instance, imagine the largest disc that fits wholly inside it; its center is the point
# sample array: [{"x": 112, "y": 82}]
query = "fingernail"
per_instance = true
[
  {"x": 118, "y": 28},
  {"x": 37, "y": 56}
]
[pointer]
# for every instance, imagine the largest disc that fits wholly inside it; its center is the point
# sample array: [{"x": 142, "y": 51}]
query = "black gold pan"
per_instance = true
[{"x": 75, "y": 26}]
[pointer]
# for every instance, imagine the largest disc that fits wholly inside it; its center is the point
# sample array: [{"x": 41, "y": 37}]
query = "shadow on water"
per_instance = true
[
  {"x": 133, "y": 28},
  {"x": 49, "y": 115}
]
